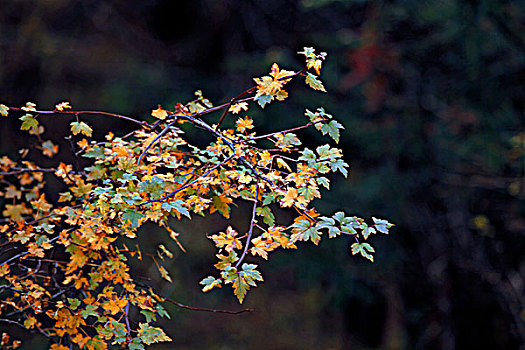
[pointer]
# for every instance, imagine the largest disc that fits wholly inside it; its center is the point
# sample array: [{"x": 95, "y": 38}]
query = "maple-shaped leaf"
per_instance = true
[
  {"x": 227, "y": 239},
  {"x": 339, "y": 165},
  {"x": 314, "y": 83},
  {"x": 259, "y": 248},
  {"x": 178, "y": 207},
  {"x": 244, "y": 279},
  {"x": 266, "y": 213},
  {"x": 367, "y": 231},
  {"x": 159, "y": 113},
  {"x": 220, "y": 204},
  {"x": 81, "y": 128},
  {"x": 244, "y": 124},
  {"x": 382, "y": 225},
  {"x": 133, "y": 217},
  {"x": 28, "y": 122},
  {"x": 364, "y": 249},
  {"x": 149, "y": 335},
  {"x": 210, "y": 282},
  {"x": 63, "y": 105},
  {"x": 263, "y": 100},
  {"x": 332, "y": 128},
  {"x": 289, "y": 198},
  {"x": 237, "y": 107}
]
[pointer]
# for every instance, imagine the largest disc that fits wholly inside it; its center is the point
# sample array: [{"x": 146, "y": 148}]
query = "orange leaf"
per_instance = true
[{"x": 159, "y": 113}]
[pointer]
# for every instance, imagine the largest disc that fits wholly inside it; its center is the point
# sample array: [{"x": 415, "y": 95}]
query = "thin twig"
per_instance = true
[
  {"x": 28, "y": 170},
  {"x": 277, "y": 132},
  {"x": 252, "y": 224},
  {"x": 24, "y": 327},
  {"x": 206, "y": 309},
  {"x": 76, "y": 113}
]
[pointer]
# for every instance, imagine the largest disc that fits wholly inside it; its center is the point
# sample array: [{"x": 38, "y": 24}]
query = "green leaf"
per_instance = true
[
  {"x": 270, "y": 198},
  {"x": 308, "y": 155},
  {"x": 332, "y": 129},
  {"x": 339, "y": 165},
  {"x": 382, "y": 225},
  {"x": 250, "y": 274},
  {"x": 136, "y": 345},
  {"x": 178, "y": 206},
  {"x": 29, "y": 122},
  {"x": 368, "y": 230},
  {"x": 263, "y": 100},
  {"x": 133, "y": 217},
  {"x": 314, "y": 83},
  {"x": 266, "y": 213},
  {"x": 150, "y": 315},
  {"x": 364, "y": 249},
  {"x": 81, "y": 128},
  {"x": 89, "y": 311},
  {"x": 73, "y": 303},
  {"x": 96, "y": 152},
  {"x": 323, "y": 181},
  {"x": 210, "y": 282},
  {"x": 244, "y": 279}
]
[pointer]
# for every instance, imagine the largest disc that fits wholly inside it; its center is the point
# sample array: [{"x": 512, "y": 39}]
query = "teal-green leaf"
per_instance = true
[
  {"x": 133, "y": 217},
  {"x": 314, "y": 83}
]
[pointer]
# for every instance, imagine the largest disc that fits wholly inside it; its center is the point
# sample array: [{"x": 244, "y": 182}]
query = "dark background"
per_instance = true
[{"x": 432, "y": 95}]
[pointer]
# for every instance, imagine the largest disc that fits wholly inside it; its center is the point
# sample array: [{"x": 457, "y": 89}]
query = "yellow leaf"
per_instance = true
[
  {"x": 4, "y": 110},
  {"x": 164, "y": 273},
  {"x": 61, "y": 106},
  {"x": 30, "y": 322},
  {"x": 237, "y": 107},
  {"x": 244, "y": 124},
  {"x": 159, "y": 113},
  {"x": 220, "y": 204},
  {"x": 120, "y": 151},
  {"x": 227, "y": 240},
  {"x": 4, "y": 270},
  {"x": 289, "y": 198}
]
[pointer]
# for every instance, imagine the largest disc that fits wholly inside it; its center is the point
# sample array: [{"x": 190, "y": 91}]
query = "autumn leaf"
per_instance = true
[
  {"x": 220, "y": 204},
  {"x": 234, "y": 108},
  {"x": 49, "y": 149},
  {"x": 28, "y": 122},
  {"x": 159, "y": 113},
  {"x": 227, "y": 239},
  {"x": 30, "y": 322},
  {"x": 29, "y": 107},
  {"x": 290, "y": 197},
  {"x": 164, "y": 273},
  {"x": 81, "y": 128},
  {"x": 4, "y": 270},
  {"x": 4, "y": 110},
  {"x": 63, "y": 105},
  {"x": 244, "y": 124}
]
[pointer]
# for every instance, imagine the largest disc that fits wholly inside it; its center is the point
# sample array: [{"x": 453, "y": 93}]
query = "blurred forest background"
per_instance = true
[{"x": 432, "y": 95}]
